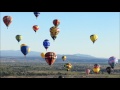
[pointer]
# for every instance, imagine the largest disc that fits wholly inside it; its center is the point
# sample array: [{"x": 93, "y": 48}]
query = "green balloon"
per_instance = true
[{"x": 18, "y": 38}]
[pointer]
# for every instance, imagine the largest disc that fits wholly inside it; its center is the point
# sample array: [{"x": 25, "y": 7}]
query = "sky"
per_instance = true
[{"x": 74, "y": 37}]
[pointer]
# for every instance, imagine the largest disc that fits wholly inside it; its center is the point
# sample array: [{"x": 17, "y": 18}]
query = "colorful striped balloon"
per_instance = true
[{"x": 112, "y": 61}]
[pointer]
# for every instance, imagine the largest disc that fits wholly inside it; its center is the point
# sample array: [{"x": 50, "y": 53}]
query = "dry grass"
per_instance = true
[{"x": 44, "y": 71}]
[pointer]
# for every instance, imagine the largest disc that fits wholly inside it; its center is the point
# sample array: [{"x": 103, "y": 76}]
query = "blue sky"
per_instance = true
[{"x": 74, "y": 37}]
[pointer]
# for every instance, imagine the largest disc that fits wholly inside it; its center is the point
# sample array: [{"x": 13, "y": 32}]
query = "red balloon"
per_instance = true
[
  {"x": 56, "y": 22},
  {"x": 50, "y": 57},
  {"x": 7, "y": 20}
]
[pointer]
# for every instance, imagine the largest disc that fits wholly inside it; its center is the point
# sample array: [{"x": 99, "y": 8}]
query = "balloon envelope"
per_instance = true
[
  {"x": 64, "y": 58},
  {"x": 56, "y": 22},
  {"x": 35, "y": 28},
  {"x": 96, "y": 70},
  {"x": 93, "y": 37},
  {"x": 18, "y": 38},
  {"x": 54, "y": 31},
  {"x": 108, "y": 69},
  {"x": 46, "y": 43},
  {"x": 112, "y": 61},
  {"x": 7, "y": 20},
  {"x": 68, "y": 66},
  {"x": 87, "y": 71},
  {"x": 43, "y": 55},
  {"x": 25, "y": 50},
  {"x": 36, "y": 14},
  {"x": 50, "y": 57}
]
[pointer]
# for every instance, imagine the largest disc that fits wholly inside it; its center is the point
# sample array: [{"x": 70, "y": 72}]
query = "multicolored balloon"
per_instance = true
[
  {"x": 64, "y": 58},
  {"x": 54, "y": 31},
  {"x": 46, "y": 44},
  {"x": 25, "y": 50},
  {"x": 7, "y": 20},
  {"x": 93, "y": 38},
  {"x": 68, "y": 66},
  {"x": 50, "y": 57},
  {"x": 35, "y": 28},
  {"x": 36, "y": 14},
  {"x": 112, "y": 61},
  {"x": 56, "y": 22},
  {"x": 96, "y": 68},
  {"x": 18, "y": 38}
]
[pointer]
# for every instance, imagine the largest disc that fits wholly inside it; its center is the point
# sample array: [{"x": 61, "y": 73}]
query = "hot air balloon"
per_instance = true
[
  {"x": 108, "y": 69},
  {"x": 35, "y": 28},
  {"x": 18, "y": 38},
  {"x": 36, "y": 14},
  {"x": 112, "y": 61},
  {"x": 96, "y": 68},
  {"x": 25, "y": 50},
  {"x": 68, "y": 66},
  {"x": 93, "y": 37},
  {"x": 54, "y": 32},
  {"x": 87, "y": 71},
  {"x": 7, "y": 20},
  {"x": 50, "y": 57},
  {"x": 64, "y": 58},
  {"x": 46, "y": 44},
  {"x": 43, "y": 55},
  {"x": 56, "y": 22}
]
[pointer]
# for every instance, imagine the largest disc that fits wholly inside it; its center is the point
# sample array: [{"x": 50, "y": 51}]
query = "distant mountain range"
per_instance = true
[{"x": 16, "y": 55}]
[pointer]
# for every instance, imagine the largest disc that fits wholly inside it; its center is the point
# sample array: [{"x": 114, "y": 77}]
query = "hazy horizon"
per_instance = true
[{"x": 29, "y": 54}]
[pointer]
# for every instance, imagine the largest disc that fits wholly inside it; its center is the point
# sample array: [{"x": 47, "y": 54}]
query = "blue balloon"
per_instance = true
[
  {"x": 24, "y": 50},
  {"x": 36, "y": 14},
  {"x": 46, "y": 43}
]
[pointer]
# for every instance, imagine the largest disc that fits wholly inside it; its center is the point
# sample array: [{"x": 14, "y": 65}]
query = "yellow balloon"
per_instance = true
[
  {"x": 64, "y": 58},
  {"x": 68, "y": 66},
  {"x": 43, "y": 55},
  {"x": 93, "y": 37},
  {"x": 54, "y": 31},
  {"x": 96, "y": 70}
]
